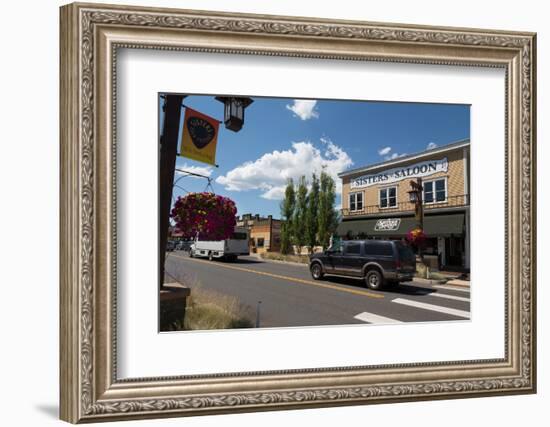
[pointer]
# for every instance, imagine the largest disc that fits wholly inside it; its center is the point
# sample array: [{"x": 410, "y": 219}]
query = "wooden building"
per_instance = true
[{"x": 375, "y": 201}]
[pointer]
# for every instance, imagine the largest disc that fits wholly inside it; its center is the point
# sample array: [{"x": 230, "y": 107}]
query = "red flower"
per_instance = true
[
  {"x": 213, "y": 216},
  {"x": 416, "y": 237}
]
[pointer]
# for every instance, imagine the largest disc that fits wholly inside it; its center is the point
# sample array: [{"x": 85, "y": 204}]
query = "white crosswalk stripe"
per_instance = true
[
  {"x": 374, "y": 318},
  {"x": 447, "y": 296},
  {"x": 433, "y": 307}
]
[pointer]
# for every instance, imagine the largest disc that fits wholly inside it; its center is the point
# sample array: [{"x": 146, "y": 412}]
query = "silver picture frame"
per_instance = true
[{"x": 90, "y": 37}]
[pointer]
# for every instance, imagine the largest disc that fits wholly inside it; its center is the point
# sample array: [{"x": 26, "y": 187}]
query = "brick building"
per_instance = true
[
  {"x": 265, "y": 232},
  {"x": 375, "y": 201}
]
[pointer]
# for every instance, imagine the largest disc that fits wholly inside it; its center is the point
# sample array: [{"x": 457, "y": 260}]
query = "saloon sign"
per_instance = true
[{"x": 416, "y": 170}]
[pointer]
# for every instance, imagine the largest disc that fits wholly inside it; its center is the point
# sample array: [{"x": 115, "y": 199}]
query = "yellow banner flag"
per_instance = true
[{"x": 199, "y": 137}]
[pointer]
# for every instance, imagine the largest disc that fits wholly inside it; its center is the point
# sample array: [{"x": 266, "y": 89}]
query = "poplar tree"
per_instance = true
[
  {"x": 327, "y": 217},
  {"x": 299, "y": 230},
  {"x": 287, "y": 213},
  {"x": 311, "y": 222}
]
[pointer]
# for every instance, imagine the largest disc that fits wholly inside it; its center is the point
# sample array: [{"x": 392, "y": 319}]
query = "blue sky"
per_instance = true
[{"x": 284, "y": 138}]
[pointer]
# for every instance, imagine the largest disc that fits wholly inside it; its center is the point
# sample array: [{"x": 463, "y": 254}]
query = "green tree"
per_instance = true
[
  {"x": 287, "y": 212},
  {"x": 312, "y": 222},
  {"x": 299, "y": 230},
  {"x": 327, "y": 216}
]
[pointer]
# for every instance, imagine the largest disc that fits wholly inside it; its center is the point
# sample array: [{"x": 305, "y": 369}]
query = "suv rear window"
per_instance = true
[{"x": 379, "y": 248}]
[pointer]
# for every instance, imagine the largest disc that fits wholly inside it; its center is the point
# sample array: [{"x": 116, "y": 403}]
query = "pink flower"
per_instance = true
[{"x": 212, "y": 215}]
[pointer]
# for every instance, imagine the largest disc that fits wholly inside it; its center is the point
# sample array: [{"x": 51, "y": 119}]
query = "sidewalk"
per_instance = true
[
  {"x": 452, "y": 282},
  {"x": 458, "y": 282},
  {"x": 276, "y": 261}
]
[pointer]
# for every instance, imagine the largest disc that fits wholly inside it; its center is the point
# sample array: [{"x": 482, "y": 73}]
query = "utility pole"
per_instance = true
[{"x": 167, "y": 163}]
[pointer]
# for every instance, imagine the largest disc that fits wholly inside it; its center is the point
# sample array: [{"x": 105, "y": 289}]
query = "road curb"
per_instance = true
[
  {"x": 276, "y": 261},
  {"x": 451, "y": 282},
  {"x": 428, "y": 281}
]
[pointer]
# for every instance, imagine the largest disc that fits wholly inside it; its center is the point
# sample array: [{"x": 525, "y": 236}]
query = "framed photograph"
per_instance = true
[{"x": 266, "y": 212}]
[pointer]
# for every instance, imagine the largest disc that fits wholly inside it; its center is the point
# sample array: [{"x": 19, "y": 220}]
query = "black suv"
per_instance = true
[{"x": 377, "y": 261}]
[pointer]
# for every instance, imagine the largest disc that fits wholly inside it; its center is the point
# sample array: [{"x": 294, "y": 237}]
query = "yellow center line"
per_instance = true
[{"x": 287, "y": 278}]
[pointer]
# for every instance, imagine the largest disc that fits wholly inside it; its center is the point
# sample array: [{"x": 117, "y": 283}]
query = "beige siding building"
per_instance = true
[
  {"x": 265, "y": 232},
  {"x": 375, "y": 201}
]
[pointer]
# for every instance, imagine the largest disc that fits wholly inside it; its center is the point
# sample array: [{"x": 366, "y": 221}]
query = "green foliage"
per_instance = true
[
  {"x": 287, "y": 213},
  {"x": 309, "y": 217},
  {"x": 311, "y": 220},
  {"x": 300, "y": 212},
  {"x": 327, "y": 216}
]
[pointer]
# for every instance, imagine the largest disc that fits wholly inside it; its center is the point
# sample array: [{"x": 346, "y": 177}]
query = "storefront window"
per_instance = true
[
  {"x": 356, "y": 201},
  {"x": 388, "y": 197},
  {"x": 435, "y": 191},
  {"x": 260, "y": 242}
]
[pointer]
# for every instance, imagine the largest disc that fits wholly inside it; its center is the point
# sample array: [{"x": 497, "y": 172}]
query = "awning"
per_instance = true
[
  {"x": 434, "y": 225},
  {"x": 444, "y": 225}
]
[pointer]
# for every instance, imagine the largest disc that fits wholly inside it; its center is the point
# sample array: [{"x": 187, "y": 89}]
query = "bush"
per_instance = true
[
  {"x": 302, "y": 259},
  {"x": 212, "y": 310}
]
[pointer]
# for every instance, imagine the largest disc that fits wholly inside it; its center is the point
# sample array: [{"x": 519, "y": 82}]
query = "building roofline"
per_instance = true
[{"x": 395, "y": 162}]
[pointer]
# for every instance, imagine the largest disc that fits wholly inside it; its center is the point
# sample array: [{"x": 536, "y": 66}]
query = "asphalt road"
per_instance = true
[{"x": 290, "y": 297}]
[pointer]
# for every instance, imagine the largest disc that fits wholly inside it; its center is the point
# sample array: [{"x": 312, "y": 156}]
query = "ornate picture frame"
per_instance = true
[{"x": 90, "y": 37}]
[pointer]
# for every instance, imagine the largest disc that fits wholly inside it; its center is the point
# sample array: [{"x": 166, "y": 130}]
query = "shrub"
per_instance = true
[{"x": 211, "y": 310}]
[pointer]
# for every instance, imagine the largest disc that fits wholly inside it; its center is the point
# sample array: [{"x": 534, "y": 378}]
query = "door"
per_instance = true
[
  {"x": 454, "y": 250},
  {"x": 333, "y": 260},
  {"x": 352, "y": 261}
]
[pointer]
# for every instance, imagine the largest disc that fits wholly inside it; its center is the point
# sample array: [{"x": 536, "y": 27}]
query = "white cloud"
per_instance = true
[
  {"x": 384, "y": 151},
  {"x": 275, "y": 193},
  {"x": 431, "y": 145},
  {"x": 304, "y": 109},
  {"x": 270, "y": 172},
  {"x": 395, "y": 156},
  {"x": 201, "y": 170}
]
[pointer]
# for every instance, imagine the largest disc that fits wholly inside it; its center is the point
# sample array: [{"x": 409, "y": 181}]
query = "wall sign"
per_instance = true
[
  {"x": 388, "y": 224},
  {"x": 416, "y": 170}
]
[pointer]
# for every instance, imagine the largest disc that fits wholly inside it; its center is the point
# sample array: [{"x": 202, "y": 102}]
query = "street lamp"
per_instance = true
[
  {"x": 415, "y": 196},
  {"x": 233, "y": 116}
]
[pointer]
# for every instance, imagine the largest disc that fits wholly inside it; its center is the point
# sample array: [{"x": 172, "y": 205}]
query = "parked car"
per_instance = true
[
  {"x": 170, "y": 245},
  {"x": 378, "y": 262},
  {"x": 183, "y": 245}
]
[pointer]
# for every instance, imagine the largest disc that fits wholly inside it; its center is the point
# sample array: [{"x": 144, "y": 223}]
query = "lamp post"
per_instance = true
[
  {"x": 168, "y": 143},
  {"x": 415, "y": 196},
  {"x": 233, "y": 111}
]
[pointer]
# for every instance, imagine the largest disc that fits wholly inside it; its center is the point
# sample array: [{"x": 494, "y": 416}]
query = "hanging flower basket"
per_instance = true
[
  {"x": 210, "y": 215},
  {"x": 416, "y": 237}
]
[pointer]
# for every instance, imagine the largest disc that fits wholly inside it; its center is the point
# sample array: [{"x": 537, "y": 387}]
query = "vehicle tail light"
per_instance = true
[{"x": 398, "y": 264}]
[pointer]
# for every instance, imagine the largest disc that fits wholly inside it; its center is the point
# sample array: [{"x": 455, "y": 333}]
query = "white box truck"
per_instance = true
[{"x": 228, "y": 249}]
